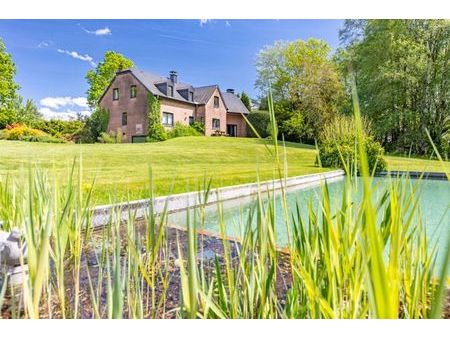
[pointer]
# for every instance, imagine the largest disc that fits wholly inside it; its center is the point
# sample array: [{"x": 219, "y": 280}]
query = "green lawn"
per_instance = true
[
  {"x": 183, "y": 163},
  {"x": 415, "y": 164},
  {"x": 121, "y": 170}
]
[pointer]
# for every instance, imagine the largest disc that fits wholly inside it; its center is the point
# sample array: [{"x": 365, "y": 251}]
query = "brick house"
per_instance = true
[{"x": 126, "y": 100}]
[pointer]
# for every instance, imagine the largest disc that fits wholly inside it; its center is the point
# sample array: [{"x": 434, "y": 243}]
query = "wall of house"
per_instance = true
[
  {"x": 209, "y": 112},
  {"x": 180, "y": 110},
  {"x": 135, "y": 108},
  {"x": 238, "y": 120}
]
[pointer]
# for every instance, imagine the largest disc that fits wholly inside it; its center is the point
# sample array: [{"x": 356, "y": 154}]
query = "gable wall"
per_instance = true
[
  {"x": 135, "y": 108},
  {"x": 209, "y": 112}
]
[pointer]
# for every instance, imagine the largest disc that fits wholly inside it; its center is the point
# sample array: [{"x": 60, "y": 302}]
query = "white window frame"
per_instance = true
[
  {"x": 131, "y": 91},
  {"x": 167, "y": 114},
  {"x": 218, "y": 124},
  {"x": 116, "y": 90}
]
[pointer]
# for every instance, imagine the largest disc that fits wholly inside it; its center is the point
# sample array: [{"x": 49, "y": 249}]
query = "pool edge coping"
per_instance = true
[{"x": 184, "y": 201}]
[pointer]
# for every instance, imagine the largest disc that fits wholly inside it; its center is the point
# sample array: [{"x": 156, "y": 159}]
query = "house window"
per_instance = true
[
  {"x": 115, "y": 94},
  {"x": 191, "y": 96},
  {"x": 167, "y": 119},
  {"x": 170, "y": 91},
  {"x": 216, "y": 102},
  {"x": 215, "y": 124},
  {"x": 191, "y": 120},
  {"x": 124, "y": 119},
  {"x": 133, "y": 91}
]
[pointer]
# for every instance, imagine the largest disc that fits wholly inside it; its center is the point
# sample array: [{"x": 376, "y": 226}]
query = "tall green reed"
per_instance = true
[{"x": 368, "y": 257}]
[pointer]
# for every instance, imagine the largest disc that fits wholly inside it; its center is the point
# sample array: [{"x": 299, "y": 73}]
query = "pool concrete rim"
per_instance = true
[{"x": 184, "y": 201}]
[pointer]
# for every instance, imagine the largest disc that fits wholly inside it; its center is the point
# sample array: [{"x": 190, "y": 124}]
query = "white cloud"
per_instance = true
[
  {"x": 80, "y": 102},
  {"x": 204, "y": 22},
  {"x": 63, "y": 101},
  {"x": 44, "y": 44},
  {"x": 69, "y": 114},
  {"x": 227, "y": 23},
  {"x": 99, "y": 32},
  {"x": 78, "y": 56},
  {"x": 63, "y": 108}
]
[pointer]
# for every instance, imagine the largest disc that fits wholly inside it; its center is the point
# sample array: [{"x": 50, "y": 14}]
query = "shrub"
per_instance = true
[
  {"x": 20, "y": 132},
  {"x": 180, "y": 130},
  {"x": 17, "y": 131},
  {"x": 260, "y": 121},
  {"x": 43, "y": 139},
  {"x": 199, "y": 126},
  {"x": 59, "y": 128},
  {"x": 111, "y": 137},
  {"x": 106, "y": 138},
  {"x": 337, "y": 143}
]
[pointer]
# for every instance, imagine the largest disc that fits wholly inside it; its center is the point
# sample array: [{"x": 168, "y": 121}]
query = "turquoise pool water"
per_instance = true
[{"x": 434, "y": 197}]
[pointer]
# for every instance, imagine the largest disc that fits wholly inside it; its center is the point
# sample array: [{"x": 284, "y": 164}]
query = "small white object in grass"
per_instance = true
[
  {"x": 177, "y": 262},
  {"x": 13, "y": 255}
]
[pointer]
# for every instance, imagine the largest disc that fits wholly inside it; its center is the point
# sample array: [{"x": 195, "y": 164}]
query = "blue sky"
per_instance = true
[{"x": 52, "y": 56}]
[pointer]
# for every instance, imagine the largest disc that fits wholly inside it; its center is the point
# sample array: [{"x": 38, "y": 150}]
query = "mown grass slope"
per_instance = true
[{"x": 178, "y": 165}]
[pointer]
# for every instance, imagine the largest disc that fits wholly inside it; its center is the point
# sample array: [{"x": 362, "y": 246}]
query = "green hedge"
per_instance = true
[{"x": 260, "y": 121}]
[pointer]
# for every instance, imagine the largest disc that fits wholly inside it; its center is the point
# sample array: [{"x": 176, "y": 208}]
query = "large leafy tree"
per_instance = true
[
  {"x": 305, "y": 81},
  {"x": 8, "y": 88},
  {"x": 99, "y": 78},
  {"x": 402, "y": 71}
]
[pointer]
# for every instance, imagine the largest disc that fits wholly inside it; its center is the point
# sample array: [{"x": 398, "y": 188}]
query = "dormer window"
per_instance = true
[
  {"x": 133, "y": 91},
  {"x": 216, "y": 102},
  {"x": 191, "y": 96},
  {"x": 115, "y": 94},
  {"x": 170, "y": 91}
]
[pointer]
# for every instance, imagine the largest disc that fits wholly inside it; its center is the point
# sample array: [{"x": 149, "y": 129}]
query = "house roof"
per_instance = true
[
  {"x": 150, "y": 80},
  {"x": 234, "y": 103},
  {"x": 201, "y": 94}
]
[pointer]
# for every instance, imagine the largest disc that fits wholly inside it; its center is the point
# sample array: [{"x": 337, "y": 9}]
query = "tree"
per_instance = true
[
  {"x": 8, "y": 88},
  {"x": 260, "y": 122},
  {"x": 305, "y": 79},
  {"x": 352, "y": 32},
  {"x": 246, "y": 101},
  {"x": 402, "y": 71},
  {"x": 156, "y": 130},
  {"x": 101, "y": 77},
  {"x": 94, "y": 126},
  {"x": 27, "y": 114}
]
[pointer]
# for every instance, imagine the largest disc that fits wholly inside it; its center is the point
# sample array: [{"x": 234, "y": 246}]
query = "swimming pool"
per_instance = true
[{"x": 434, "y": 205}]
